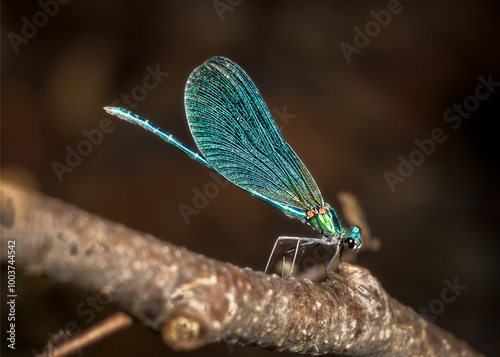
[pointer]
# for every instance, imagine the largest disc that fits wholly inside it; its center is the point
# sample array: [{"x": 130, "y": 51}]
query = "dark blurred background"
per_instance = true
[{"x": 350, "y": 118}]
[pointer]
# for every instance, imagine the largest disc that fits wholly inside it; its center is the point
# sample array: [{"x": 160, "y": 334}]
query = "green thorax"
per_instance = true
[{"x": 324, "y": 220}]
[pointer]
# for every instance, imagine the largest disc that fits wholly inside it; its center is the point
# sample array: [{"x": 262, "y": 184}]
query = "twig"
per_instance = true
[
  {"x": 194, "y": 300},
  {"x": 110, "y": 325},
  {"x": 354, "y": 215}
]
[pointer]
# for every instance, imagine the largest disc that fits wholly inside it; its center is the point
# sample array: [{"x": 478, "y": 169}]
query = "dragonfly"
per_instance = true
[{"x": 238, "y": 139}]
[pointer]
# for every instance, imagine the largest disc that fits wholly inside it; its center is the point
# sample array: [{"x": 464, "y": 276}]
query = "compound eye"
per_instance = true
[{"x": 350, "y": 243}]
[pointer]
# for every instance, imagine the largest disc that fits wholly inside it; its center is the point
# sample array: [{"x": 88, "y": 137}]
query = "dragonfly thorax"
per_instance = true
[{"x": 324, "y": 220}]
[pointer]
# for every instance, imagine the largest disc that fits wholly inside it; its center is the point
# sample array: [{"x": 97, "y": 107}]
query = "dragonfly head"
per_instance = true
[{"x": 352, "y": 240}]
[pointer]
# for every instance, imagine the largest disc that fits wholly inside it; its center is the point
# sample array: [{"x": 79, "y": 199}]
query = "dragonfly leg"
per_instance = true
[
  {"x": 283, "y": 261},
  {"x": 278, "y": 248},
  {"x": 296, "y": 250},
  {"x": 343, "y": 271},
  {"x": 272, "y": 257},
  {"x": 329, "y": 266},
  {"x": 285, "y": 246}
]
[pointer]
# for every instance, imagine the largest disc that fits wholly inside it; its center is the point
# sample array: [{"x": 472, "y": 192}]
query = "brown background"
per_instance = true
[{"x": 352, "y": 122}]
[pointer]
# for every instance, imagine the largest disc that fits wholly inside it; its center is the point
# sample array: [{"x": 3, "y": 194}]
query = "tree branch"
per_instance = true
[{"x": 194, "y": 300}]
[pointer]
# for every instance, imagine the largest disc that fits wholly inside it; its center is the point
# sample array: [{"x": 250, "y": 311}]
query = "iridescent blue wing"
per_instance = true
[{"x": 237, "y": 135}]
